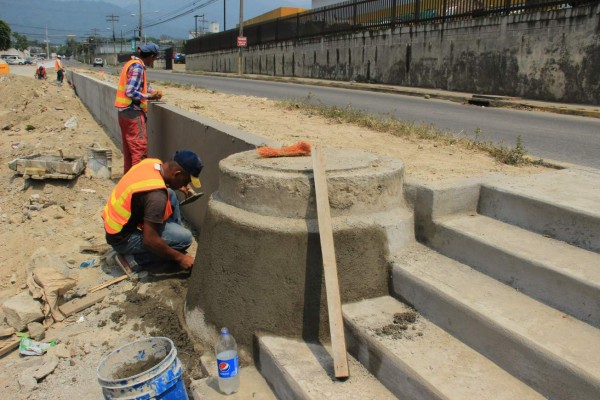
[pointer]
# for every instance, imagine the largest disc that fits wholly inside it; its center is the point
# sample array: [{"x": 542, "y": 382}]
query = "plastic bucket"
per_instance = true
[{"x": 154, "y": 368}]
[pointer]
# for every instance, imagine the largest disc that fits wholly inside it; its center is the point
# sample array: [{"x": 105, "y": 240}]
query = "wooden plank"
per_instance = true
[
  {"x": 332, "y": 287},
  {"x": 9, "y": 346},
  {"x": 107, "y": 283},
  {"x": 97, "y": 248},
  {"x": 77, "y": 305}
]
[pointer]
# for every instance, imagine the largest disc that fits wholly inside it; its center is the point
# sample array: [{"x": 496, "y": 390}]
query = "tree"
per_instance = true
[
  {"x": 4, "y": 36},
  {"x": 21, "y": 42}
]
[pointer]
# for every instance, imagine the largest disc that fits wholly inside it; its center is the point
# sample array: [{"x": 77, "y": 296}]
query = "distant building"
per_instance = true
[
  {"x": 213, "y": 27},
  {"x": 323, "y": 3},
  {"x": 277, "y": 13}
]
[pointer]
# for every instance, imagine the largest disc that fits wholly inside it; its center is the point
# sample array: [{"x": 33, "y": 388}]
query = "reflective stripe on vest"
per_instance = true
[
  {"x": 142, "y": 177},
  {"x": 122, "y": 101}
]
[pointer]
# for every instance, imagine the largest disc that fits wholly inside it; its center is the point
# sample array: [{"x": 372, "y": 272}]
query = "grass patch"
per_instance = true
[
  {"x": 516, "y": 155},
  {"x": 29, "y": 127}
]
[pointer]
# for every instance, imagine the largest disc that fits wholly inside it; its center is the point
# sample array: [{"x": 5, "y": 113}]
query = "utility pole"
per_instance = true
[
  {"x": 47, "y": 44},
  {"x": 196, "y": 25},
  {"x": 224, "y": 15},
  {"x": 140, "y": 1},
  {"x": 112, "y": 18},
  {"x": 240, "y": 35}
]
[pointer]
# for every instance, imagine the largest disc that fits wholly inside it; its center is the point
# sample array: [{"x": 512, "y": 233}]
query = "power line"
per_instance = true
[{"x": 184, "y": 13}]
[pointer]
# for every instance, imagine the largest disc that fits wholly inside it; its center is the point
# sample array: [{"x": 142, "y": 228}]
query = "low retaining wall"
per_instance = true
[{"x": 171, "y": 128}]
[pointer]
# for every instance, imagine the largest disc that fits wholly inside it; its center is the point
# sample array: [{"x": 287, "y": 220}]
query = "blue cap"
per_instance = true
[
  {"x": 190, "y": 163},
  {"x": 149, "y": 48}
]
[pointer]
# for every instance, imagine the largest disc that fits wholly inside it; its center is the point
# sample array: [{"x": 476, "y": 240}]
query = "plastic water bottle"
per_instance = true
[{"x": 227, "y": 363}]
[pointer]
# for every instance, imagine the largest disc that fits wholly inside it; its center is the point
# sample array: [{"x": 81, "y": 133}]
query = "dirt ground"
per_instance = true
[{"x": 54, "y": 218}]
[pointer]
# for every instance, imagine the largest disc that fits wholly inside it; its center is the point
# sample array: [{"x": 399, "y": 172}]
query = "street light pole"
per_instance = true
[{"x": 224, "y": 15}]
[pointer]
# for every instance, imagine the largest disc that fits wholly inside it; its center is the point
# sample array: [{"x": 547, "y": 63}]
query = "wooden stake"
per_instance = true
[
  {"x": 108, "y": 283},
  {"x": 332, "y": 287}
]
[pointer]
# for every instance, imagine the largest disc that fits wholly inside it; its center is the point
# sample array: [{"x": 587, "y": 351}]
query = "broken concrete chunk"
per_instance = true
[
  {"x": 71, "y": 123},
  {"x": 21, "y": 310},
  {"x": 50, "y": 362},
  {"x": 36, "y": 331},
  {"x": 60, "y": 351},
  {"x": 27, "y": 383},
  {"x": 6, "y": 331},
  {"x": 42, "y": 257}
]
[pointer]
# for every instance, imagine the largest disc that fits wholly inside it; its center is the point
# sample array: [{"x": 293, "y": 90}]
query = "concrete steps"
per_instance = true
[
  {"x": 564, "y": 205},
  {"x": 563, "y": 276},
  {"x": 423, "y": 361},
  {"x": 555, "y": 354},
  {"x": 300, "y": 370}
]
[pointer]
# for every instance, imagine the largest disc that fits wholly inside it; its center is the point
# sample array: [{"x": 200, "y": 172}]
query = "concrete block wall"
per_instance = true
[
  {"x": 171, "y": 128},
  {"x": 551, "y": 56}
]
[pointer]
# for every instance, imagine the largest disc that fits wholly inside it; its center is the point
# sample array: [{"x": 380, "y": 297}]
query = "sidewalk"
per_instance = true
[{"x": 460, "y": 97}]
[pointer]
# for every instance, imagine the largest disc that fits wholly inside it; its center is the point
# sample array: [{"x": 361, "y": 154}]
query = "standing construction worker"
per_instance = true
[
  {"x": 60, "y": 70},
  {"x": 133, "y": 93},
  {"x": 142, "y": 219}
]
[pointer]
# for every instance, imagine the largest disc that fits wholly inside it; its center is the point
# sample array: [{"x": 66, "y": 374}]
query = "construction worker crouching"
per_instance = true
[
  {"x": 133, "y": 93},
  {"x": 40, "y": 73},
  {"x": 142, "y": 219}
]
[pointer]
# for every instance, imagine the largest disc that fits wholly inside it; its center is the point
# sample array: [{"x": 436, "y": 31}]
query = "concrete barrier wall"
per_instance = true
[
  {"x": 171, "y": 128},
  {"x": 551, "y": 56}
]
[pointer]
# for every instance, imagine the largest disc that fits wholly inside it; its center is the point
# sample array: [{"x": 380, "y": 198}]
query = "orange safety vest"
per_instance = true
[
  {"x": 142, "y": 177},
  {"x": 122, "y": 101},
  {"x": 57, "y": 66}
]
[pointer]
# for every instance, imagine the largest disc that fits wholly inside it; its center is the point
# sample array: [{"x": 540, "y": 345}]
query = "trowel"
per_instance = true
[{"x": 191, "y": 198}]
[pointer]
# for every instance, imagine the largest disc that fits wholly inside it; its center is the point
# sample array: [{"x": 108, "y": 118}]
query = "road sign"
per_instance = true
[{"x": 242, "y": 41}]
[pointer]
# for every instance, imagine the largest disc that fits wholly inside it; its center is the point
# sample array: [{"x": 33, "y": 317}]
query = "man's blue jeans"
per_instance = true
[{"x": 175, "y": 236}]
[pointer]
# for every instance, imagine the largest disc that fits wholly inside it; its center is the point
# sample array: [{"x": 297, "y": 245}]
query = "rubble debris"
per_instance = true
[
  {"x": 36, "y": 331},
  {"x": 401, "y": 322},
  {"x": 21, "y": 310},
  {"x": 48, "y": 284},
  {"x": 38, "y": 166}
]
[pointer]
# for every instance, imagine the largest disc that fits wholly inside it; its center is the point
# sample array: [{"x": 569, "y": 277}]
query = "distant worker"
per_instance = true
[
  {"x": 40, "y": 73},
  {"x": 133, "y": 93},
  {"x": 142, "y": 218},
  {"x": 60, "y": 70}
]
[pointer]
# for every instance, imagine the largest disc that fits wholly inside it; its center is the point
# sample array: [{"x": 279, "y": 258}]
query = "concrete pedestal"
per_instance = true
[{"x": 258, "y": 266}]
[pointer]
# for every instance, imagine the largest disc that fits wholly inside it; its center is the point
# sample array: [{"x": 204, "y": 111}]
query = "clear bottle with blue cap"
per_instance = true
[{"x": 227, "y": 363}]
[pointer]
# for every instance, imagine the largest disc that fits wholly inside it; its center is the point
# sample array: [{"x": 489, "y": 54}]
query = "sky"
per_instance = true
[
  {"x": 213, "y": 10},
  {"x": 59, "y": 19}
]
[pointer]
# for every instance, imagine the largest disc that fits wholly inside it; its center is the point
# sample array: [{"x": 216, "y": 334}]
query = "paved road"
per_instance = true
[{"x": 550, "y": 136}]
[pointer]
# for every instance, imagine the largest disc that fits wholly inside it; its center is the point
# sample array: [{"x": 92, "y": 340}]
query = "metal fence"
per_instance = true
[{"x": 360, "y": 15}]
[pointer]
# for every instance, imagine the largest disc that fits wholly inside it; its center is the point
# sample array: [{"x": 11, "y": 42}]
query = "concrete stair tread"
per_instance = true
[
  {"x": 533, "y": 322},
  {"x": 252, "y": 387},
  {"x": 449, "y": 368},
  {"x": 558, "y": 188},
  {"x": 554, "y": 254},
  {"x": 309, "y": 369}
]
